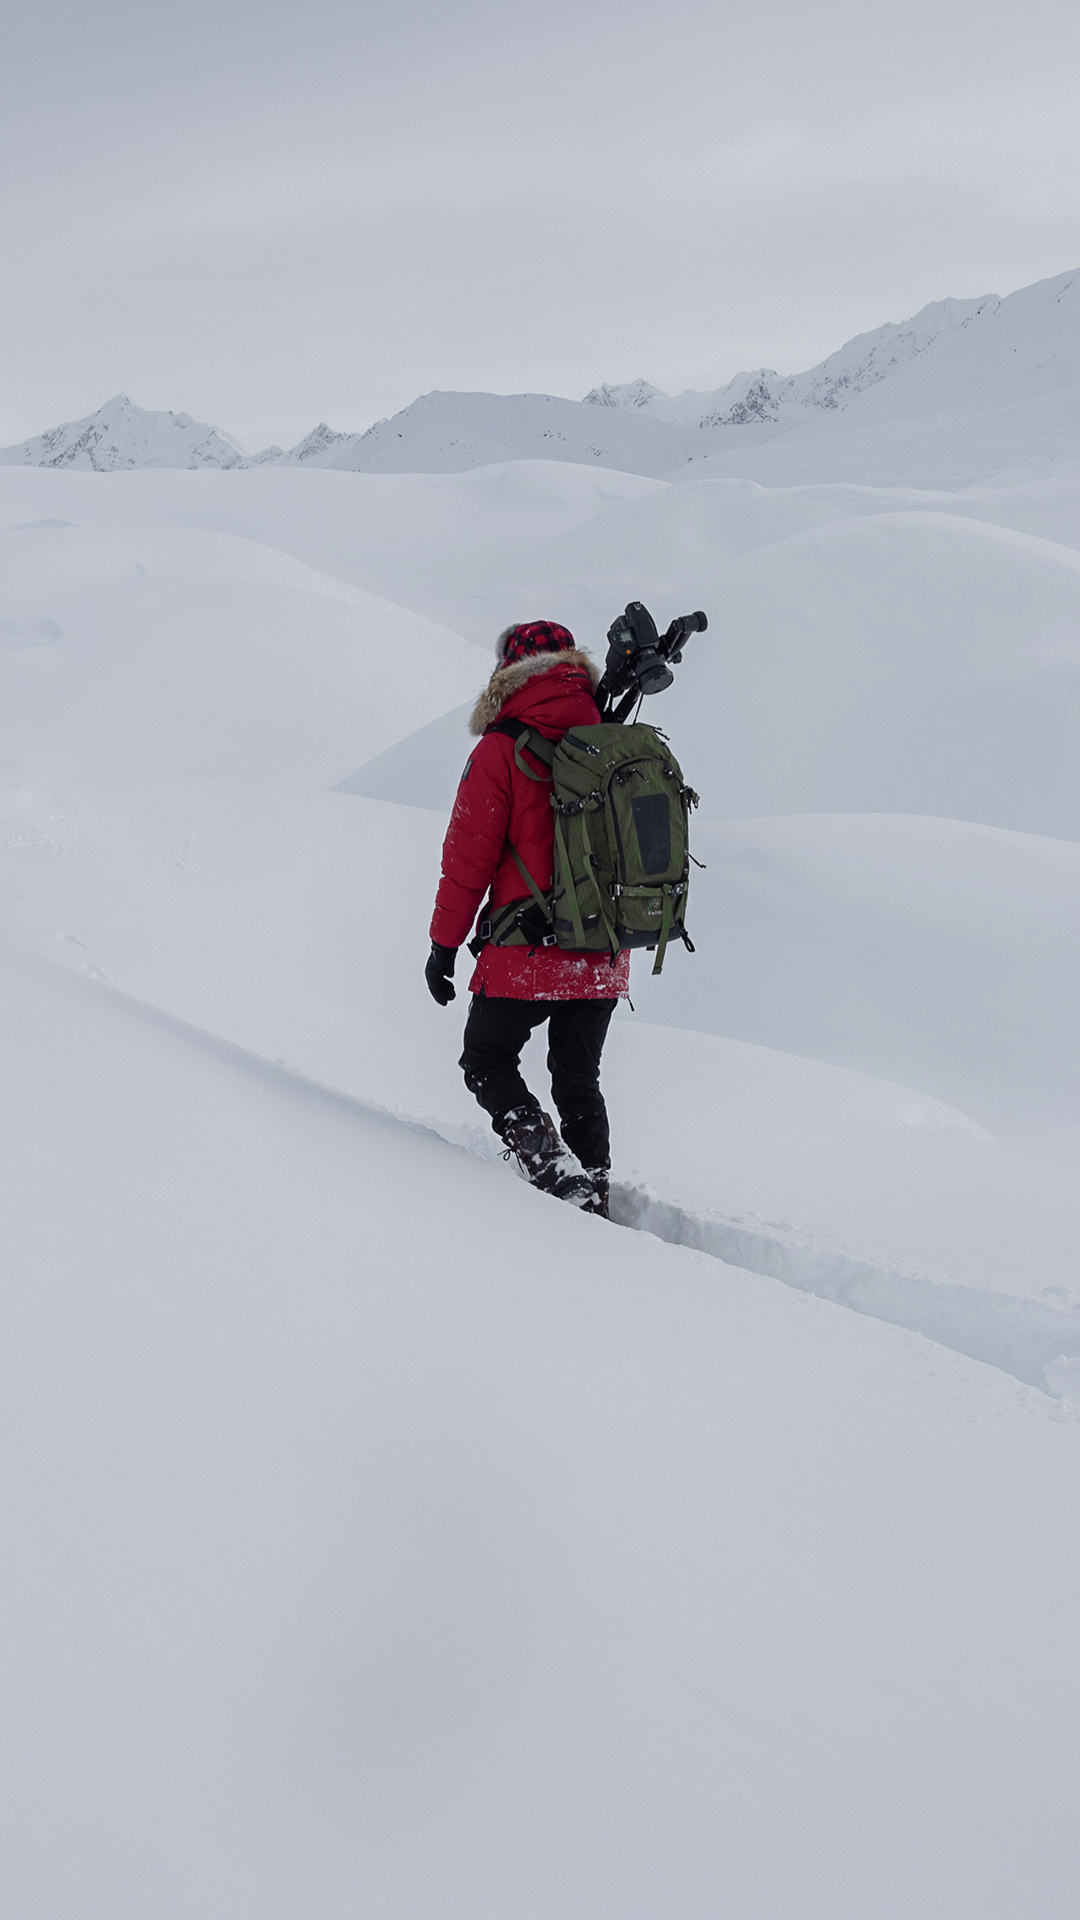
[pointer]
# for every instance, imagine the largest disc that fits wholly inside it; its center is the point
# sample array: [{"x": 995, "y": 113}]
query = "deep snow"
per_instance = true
[
  {"x": 356, "y": 1577},
  {"x": 386, "y": 1538}
]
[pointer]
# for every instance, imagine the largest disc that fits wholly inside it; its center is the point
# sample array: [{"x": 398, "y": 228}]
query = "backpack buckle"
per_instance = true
[{"x": 550, "y": 940}]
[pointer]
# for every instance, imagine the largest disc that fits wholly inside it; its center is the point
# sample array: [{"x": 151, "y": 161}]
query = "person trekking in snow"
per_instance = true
[{"x": 545, "y": 682}]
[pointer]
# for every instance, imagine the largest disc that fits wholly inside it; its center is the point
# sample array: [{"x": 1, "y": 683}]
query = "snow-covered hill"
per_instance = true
[
  {"x": 148, "y": 651},
  {"x": 448, "y": 432}
]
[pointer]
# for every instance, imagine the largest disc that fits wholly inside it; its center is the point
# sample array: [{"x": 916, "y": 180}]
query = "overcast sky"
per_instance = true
[{"x": 269, "y": 214}]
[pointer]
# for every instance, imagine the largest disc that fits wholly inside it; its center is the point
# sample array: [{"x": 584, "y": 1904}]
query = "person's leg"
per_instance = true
[
  {"x": 495, "y": 1032},
  {"x": 576, "y": 1033}
]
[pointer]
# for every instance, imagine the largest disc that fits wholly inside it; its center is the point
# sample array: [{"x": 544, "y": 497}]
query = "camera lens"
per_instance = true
[{"x": 650, "y": 672}]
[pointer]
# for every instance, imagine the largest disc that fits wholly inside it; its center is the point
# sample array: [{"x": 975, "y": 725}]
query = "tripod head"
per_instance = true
[{"x": 639, "y": 659}]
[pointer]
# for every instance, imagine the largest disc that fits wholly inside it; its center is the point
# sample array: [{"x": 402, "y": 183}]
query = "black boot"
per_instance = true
[
  {"x": 599, "y": 1200},
  {"x": 543, "y": 1159}
]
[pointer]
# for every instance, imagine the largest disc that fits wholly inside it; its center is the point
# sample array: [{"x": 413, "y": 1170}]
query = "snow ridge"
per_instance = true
[
  {"x": 765, "y": 395},
  {"x": 1020, "y": 1336},
  {"x": 953, "y": 356}
]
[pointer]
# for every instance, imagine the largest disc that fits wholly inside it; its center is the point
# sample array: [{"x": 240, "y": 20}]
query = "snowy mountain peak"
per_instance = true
[
  {"x": 766, "y": 396},
  {"x": 121, "y": 435},
  {"x": 320, "y": 447},
  {"x": 632, "y": 396},
  {"x": 951, "y": 356}
]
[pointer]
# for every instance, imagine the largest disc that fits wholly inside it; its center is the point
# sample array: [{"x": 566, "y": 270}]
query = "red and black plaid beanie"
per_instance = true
[{"x": 536, "y": 636}]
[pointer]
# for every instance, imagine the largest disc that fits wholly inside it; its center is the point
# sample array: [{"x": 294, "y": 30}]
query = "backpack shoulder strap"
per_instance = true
[
  {"x": 544, "y": 751},
  {"x": 526, "y": 737}
]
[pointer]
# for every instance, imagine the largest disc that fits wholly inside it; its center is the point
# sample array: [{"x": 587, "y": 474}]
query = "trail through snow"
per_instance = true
[{"x": 1033, "y": 1340}]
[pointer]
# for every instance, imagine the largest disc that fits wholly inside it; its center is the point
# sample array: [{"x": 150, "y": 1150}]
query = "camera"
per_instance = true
[{"x": 638, "y": 656}]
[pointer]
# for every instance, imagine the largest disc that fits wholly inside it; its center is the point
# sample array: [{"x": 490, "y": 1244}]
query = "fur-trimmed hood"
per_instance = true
[{"x": 507, "y": 680}]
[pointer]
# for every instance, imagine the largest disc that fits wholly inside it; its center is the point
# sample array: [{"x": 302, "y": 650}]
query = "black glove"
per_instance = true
[{"x": 439, "y": 974}]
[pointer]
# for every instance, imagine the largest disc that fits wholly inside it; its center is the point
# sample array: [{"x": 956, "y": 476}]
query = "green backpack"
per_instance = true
[{"x": 622, "y": 859}]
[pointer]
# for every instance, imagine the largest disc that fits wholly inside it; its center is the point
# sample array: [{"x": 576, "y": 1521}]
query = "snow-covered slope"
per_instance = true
[
  {"x": 144, "y": 651},
  {"x": 929, "y": 955},
  {"x": 912, "y": 663},
  {"x": 768, "y": 396},
  {"x": 1014, "y": 349},
  {"x": 344, "y": 1575},
  {"x": 432, "y": 543},
  {"x": 929, "y": 952},
  {"x": 951, "y": 357},
  {"x": 447, "y": 432},
  {"x": 997, "y": 396},
  {"x": 899, "y": 661}
]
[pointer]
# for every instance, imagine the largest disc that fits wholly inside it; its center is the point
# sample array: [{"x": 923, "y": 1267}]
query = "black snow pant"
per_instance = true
[{"x": 496, "y": 1031}]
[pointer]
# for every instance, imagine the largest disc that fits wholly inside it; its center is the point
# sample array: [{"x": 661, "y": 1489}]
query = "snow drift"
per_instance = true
[
  {"x": 906, "y": 662},
  {"x": 141, "y": 652}
]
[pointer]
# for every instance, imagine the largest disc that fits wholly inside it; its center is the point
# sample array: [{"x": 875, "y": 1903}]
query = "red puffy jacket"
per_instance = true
[{"x": 496, "y": 803}]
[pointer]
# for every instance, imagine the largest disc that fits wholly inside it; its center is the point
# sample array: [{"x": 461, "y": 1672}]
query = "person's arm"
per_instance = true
[{"x": 471, "y": 853}]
